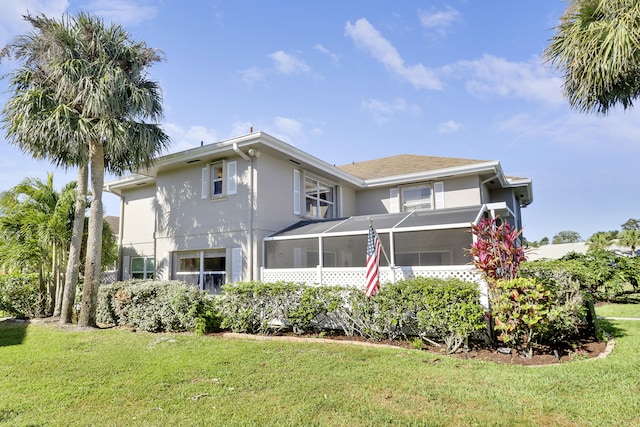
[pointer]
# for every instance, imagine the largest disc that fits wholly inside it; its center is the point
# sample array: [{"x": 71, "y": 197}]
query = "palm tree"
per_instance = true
[
  {"x": 35, "y": 229},
  {"x": 82, "y": 97},
  {"x": 630, "y": 238},
  {"x": 600, "y": 241},
  {"x": 597, "y": 47}
]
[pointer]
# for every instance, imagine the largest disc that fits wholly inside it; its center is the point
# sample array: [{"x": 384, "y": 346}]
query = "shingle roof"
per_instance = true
[
  {"x": 114, "y": 223},
  {"x": 403, "y": 164}
]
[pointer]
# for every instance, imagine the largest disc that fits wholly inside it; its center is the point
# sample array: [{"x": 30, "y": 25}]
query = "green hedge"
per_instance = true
[
  {"x": 157, "y": 306},
  {"x": 19, "y": 295},
  {"x": 447, "y": 311}
]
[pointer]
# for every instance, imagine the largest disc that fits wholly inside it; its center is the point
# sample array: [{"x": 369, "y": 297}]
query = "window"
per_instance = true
[
  {"x": 319, "y": 198},
  {"x": 142, "y": 267},
  {"x": 216, "y": 179},
  {"x": 219, "y": 179},
  {"x": 416, "y": 197},
  {"x": 205, "y": 269}
]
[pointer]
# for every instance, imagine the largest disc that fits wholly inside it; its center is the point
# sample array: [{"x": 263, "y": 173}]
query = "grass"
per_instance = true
[
  {"x": 619, "y": 310},
  {"x": 115, "y": 377}
]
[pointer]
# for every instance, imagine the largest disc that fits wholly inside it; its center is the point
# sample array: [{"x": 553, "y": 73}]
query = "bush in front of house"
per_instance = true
[
  {"x": 568, "y": 298},
  {"x": 157, "y": 306},
  {"x": 446, "y": 311},
  {"x": 19, "y": 296}
]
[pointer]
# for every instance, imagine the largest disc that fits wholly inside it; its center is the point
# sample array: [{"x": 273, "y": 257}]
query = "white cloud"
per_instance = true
[
  {"x": 241, "y": 128},
  {"x": 252, "y": 75},
  {"x": 439, "y": 20},
  {"x": 366, "y": 37},
  {"x": 326, "y": 51},
  {"x": 450, "y": 126},
  {"x": 491, "y": 76},
  {"x": 618, "y": 130},
  {"x": 123, "y": 12},
  {"x": 184, "y": 139},
  {"x": 287, "y": 63},
  {"x": 288, "y": 126},
  {"x": 382, "y": 111},
  {"x": 11, "y": 12}
]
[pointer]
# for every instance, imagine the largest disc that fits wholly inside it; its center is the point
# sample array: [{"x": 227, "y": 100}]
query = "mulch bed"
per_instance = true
[{"x": 583, "y": 348}]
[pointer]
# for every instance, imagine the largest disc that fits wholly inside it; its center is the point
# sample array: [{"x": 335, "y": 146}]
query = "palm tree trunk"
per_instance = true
[
  {"x": 53, "y": 282},
  {"x": 59, "y": 280},
  {"x": 73, "y": 263},
  {"x": 42, "y": 292},
  {"x": 93, "y": 264}
]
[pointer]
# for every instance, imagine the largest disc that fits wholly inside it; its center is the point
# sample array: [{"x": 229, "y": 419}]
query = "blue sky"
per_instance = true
[{"x": 356, "y": 80}]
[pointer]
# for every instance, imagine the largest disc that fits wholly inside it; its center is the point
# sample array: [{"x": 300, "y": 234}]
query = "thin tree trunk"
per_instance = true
[
  {"x": 93, "y": 264},
  {"x": 59, "y": 282},
  {"x": 53, "y": 284},
  {"x": 73, "y": 263},
  {"x": 42, "y": 292}
]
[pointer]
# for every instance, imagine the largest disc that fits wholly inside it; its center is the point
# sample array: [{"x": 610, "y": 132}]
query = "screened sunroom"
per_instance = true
[{"x": 418, "y": 243}]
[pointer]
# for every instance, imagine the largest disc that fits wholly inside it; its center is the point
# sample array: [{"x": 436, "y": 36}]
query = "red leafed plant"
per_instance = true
[{"x": 496, "y": 251}]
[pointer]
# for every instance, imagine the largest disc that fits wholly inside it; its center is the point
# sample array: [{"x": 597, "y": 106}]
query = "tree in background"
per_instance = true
[
  {"x": 601, "y": 240},
  {"x": 81, "y": 97},
  {"x": 566, "y": 236},
  {"x": 630, "y": 238},
  {"x": 597, "y": 48},
  {"x": 631, "y": 224},
  {"x": 35, "y": 229}
]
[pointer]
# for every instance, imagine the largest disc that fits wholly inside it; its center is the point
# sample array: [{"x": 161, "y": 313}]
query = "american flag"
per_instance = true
[{"x": 374, "y": 247}]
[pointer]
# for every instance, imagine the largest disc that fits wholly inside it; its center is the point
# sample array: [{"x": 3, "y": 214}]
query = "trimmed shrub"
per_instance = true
[
  {"x": 567, "y": 312},
  {"x": 442, "y": 310},
  {"x": 157, "y": 306},
  {"x": 19, "y": 296}
]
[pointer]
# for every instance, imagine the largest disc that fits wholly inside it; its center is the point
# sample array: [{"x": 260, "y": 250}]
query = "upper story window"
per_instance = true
[
  {"x": 319, "y": 196},
  {"x": 219, "y": 179},
  {"x": 427, "y": 195},
  {"x": 416, "y": 197}
]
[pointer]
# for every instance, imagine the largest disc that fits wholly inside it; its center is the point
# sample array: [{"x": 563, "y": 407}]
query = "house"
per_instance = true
[{"x": 257, "y": 208}]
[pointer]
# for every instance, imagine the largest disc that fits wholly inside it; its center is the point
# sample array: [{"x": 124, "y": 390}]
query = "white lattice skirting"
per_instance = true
[{"x": 357, "y": 276}]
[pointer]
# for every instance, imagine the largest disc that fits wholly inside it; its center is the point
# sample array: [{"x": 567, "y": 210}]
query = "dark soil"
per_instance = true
[{"x": 583, "y": 348}]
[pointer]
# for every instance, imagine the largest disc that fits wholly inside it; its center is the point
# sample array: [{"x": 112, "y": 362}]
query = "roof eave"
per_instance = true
[{"x": 490, "y": 166}]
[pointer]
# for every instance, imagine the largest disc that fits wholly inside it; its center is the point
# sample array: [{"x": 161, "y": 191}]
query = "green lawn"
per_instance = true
[
  {"x": 114, "y": 377},
  {"x": 619, "y": 310}
]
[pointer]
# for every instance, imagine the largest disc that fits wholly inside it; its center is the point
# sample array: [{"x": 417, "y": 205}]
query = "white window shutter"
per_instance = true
[
  {"x": 126, "y": 266},
  {"x": 205, "y": 181},
  {"x": 296, "y": 191},
  {"x": 438, "y": 189},
  {"x": 236, "y": 265},
  {"x": 232, "y": 177},
  {"x": 394, "y": 202}
]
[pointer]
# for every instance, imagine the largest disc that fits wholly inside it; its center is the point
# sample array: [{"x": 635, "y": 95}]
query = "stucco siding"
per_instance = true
[
  {"x": 462, "y": 191},
  {"x": 274, "y": 194},
  {"x": 139, "y": 223},
  {"x": 373, "y": 201},
  {"x": 183, "y": 212}
]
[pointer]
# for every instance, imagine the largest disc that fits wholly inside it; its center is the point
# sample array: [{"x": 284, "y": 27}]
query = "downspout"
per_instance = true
[{"x": 250, "y": 246}]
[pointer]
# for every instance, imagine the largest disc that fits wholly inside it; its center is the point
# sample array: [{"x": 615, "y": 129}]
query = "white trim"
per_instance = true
[
  {"x": 206, "y": 173},
  {"x": 438, "y": 195},
  {"x": 394, "y": 200},
  {"x": 297, "y": 196},
  {"x": 232, "y": 177},
  {"x": 236, "y": 264}
]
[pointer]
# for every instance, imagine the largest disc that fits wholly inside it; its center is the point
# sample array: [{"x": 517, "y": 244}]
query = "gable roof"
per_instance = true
[
  {"x": 394, "y": 170},
  {"x": 403, "y": 164}
]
